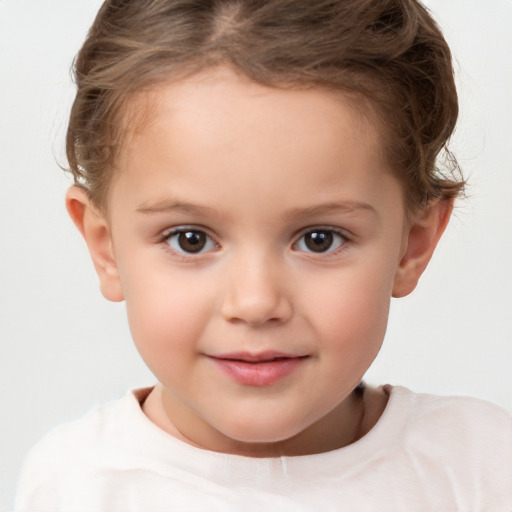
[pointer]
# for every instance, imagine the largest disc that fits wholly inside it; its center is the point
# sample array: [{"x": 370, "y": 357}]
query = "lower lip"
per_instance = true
[{"x": 265, "y": 373}]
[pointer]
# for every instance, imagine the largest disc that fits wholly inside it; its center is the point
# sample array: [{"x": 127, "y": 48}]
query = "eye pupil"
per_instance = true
[
  {"x": 319, "y": 241},
  {"x": 192, "y": 241}
]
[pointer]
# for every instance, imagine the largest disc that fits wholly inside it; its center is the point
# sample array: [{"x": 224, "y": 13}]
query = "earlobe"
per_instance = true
[
  {"x": 422, "y": 238},
  {"x": 96, "y": 231}
]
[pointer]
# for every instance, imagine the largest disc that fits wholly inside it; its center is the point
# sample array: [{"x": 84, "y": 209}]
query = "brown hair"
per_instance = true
[{"x": 388, "y": 52}]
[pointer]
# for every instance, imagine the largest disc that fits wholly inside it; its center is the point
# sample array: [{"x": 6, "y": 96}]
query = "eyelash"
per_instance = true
[{"x": 167, "y": 236}]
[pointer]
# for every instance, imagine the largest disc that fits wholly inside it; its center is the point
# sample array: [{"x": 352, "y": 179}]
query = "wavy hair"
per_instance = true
[{"x": 389, "y": 53}]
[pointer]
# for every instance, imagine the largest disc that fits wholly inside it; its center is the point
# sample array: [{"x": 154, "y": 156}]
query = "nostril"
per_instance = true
[
  {"x": 256, "y": 312},
  {"x": 254, "y": 293}
]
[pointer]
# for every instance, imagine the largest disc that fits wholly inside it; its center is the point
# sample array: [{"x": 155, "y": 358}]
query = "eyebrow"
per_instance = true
[
  {"x": 349, "y": 207},
  {"x": 172, "y": 206}
]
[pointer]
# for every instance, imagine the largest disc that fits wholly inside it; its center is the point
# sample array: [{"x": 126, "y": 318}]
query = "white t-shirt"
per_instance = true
[{"x": 426, "y": 453}]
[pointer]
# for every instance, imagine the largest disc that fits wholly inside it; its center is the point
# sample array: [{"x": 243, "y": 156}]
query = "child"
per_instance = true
[{"x": 256, "y": 179}]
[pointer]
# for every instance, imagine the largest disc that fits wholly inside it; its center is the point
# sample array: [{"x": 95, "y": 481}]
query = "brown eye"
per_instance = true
[
  {"x": 191, "y": 241},
  {"x": 320, "y": 240}
]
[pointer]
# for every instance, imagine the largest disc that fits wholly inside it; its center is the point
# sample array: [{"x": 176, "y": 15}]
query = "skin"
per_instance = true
[{"x": 257, "y": 170}]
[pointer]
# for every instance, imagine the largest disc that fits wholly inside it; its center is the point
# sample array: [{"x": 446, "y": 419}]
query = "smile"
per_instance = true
[{"x": 258, "y": 370}]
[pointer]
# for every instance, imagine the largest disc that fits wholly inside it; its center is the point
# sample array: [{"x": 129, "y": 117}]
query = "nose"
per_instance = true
[{"x": 256, "y": 294}]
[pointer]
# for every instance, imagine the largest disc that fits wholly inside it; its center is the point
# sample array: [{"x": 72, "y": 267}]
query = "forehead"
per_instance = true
[
  {"x": 221, "y": 92},
  {"x": 218, "y": 127}
]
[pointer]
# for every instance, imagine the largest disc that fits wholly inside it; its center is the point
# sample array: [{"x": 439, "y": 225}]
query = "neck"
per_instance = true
[{"x": 346, "y": 424}]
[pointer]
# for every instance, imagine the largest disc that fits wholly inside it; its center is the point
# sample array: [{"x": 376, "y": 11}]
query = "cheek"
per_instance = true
[
  {"x": 352, "y": 310},
  {"x": 166, "y": 313},
  {"x": 352, "y": 331}
]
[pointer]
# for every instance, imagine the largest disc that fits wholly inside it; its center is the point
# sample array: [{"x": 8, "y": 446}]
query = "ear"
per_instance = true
[
  {"x": 421, "y": 239},
  {"x": 96, "y": 231}
]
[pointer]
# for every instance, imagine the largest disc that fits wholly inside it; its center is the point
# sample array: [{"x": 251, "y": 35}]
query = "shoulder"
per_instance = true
[
  {"x": 67, "y": 447},
  {"x": 439, "y": 452},
  {"x": 92, "y": 428},
  {"x": 458, "y": 413},
  {"x": 459, "y": 431}
]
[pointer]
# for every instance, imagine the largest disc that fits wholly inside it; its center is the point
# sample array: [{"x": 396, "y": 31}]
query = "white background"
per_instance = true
[{"x": 65, "y": 349}]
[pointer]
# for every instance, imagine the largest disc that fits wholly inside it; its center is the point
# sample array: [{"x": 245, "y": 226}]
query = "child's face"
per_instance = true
[{"x": 249, "y": 224}]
